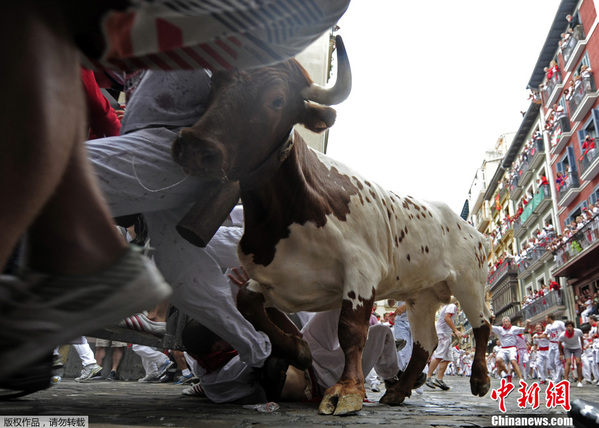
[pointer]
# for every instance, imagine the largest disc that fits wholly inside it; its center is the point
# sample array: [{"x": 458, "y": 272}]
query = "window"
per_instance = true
[
  {"x": 576, "y": 212},
  {"x": 594, "y": 196},
  {"x": 540, "y": 282},
  {"x": 590, "y": 128}
]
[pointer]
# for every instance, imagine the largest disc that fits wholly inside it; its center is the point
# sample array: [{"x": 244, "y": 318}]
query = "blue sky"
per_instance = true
[{"x": 435, "y": 84}]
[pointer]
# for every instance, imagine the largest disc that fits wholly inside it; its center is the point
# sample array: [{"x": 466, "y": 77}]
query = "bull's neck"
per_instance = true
[{"x": 301, "y": 190}]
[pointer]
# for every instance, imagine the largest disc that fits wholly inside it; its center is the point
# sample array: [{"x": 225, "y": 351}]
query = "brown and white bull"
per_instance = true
[{"x": 318, "y": 236}]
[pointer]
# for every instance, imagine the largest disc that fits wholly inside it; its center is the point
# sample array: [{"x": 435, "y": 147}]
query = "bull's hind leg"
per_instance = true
[
  {"x": 283, "y": 334},
  {"x": 421, "y": 313},
  {"x": 347, "y": 395},
  {"x": 471, "y": 295}
]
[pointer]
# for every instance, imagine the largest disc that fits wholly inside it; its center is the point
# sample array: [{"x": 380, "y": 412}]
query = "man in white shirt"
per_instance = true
[
  {"x": 571, "y": 340},
  {"x": 553, "y": 329},
  {"x": 541, "y": 346},
  {"x": 444, "y": 353},
  {"x": 508, "y": 352}
]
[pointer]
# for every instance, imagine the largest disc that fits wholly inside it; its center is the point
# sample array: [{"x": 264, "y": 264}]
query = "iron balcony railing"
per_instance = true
[
  {"x": 543, "y": 303},
  {"x": 586, "y": 160},
  {"x": 542, "y": 194},
  {"x": 577, "y": 243},
  {"x": 582, "y": 87},
  {"x": 571, "y": 181}
]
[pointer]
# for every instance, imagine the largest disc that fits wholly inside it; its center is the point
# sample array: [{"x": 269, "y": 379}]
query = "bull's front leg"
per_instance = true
[
  {"x": 347, "y": 395},
  {"x": 284, "y": 336},
  {"x": 480, "y": 383},
  {"x": 421, "y": 313}
]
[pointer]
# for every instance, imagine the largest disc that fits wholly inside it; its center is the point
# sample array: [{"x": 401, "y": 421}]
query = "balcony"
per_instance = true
[
  {"x": 588, "y": 165},
  {"x": 560, "y": 134},
  {"x": 519, "y": 229},
  {"x": 584, "y": 242},
  {"x": 483, "y": 219},
  {"x": 505, "y": 269},
  {"x": 535, "y": 206},
  {"x": 525, "y": 172},
  {"x": 536, "y": 155},
  {"x": 552, "y": 90},
  {"x": 583, "y": 98},
  {"x": 550, "y": 303},
  {"x": 533, "y": 259},
  {"x": 515, "y": 189},
  {"x": 569, "y": 190},
  {"x": 574, "y": 48},
  {"x": 477, "y": 199}
]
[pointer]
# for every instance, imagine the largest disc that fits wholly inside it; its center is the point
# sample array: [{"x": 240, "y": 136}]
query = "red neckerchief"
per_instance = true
[
  {"x": 569, "y": 335},
  {"x": 506, "y": 329},
  {"x": 214, "y": 361}
]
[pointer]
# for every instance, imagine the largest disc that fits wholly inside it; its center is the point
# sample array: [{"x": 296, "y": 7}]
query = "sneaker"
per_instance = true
[
  {"x": 112, "y": 376},
  {"x": 375, "y": 388},
  {"x": 193, "y": 391},
  {"x": 429, "y": 383},
  {"x": 57, "y": 361},
  {"x": 151, "y": 377},
  {"x": 141, "y": 322},
  {"x": 42, "y": 310},
  {"x": 184, "y": 379},
  {"x": 163, "y": 368},
  {"x": 88, "y": 372},
  {"x": 441, "y": 384},
  {"x": 579, "y": 385},
  {"x": 34, "y": 377}
]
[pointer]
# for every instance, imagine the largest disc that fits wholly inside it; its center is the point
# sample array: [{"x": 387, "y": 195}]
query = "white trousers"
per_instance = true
[
  {"x": 137, "y": 175},
  {"x": 151, "y": 358},
  {"x": 328, "y": 359},
  {"x": 541, "y": 364},
  {"x": 84, "y": 351},
  {"x": 554, "y": 362}
]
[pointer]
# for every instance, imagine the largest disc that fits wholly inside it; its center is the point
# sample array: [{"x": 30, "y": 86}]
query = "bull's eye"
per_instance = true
[{"x": 277, "y": 103}]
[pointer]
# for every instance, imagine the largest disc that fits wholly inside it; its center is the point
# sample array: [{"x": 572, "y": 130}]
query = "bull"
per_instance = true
[{"x": 318, "y": 236}]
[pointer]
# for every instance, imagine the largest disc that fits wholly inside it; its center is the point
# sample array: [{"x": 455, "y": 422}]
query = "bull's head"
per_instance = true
[{"x": 250, "y": 114}]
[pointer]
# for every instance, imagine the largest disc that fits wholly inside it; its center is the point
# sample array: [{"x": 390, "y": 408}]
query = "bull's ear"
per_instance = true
[{"x": 318, "y": 118}]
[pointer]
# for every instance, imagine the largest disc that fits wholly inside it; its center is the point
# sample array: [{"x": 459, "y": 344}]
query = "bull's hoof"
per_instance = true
[
  {"x": 341, "y": 405},
  {"x": 392, "y": 398},
  {"x": 480, "y": 387}
]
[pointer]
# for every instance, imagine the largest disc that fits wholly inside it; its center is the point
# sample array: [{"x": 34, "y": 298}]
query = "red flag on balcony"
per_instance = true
[{"x": 497, "y": 204}]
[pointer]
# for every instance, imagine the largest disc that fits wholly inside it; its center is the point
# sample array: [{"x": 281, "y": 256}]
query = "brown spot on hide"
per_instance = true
[
  {"x": 351, "y": 295},
  {"x": 303, "y": 190},
  {"x": 408, "y": 257}
]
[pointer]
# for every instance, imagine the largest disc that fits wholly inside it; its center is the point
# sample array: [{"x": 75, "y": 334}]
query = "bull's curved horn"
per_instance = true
[{"x": 340, "y": 91}]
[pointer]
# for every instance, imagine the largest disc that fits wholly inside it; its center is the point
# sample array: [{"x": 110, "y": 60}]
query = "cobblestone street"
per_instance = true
[{"x": 123, "y": 404}]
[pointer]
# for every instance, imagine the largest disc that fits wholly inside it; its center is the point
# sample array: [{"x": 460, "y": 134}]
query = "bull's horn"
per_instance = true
[{"x": 340, "y": 91}]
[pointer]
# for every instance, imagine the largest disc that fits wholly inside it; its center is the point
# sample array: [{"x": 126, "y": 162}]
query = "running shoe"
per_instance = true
[
  {"x": 441, "y": 384},
  {"x": 141, "y": 322},
  {"x": 44, "y": 310},
  {"x": 184, "y": 379},
  {"x": 89, "y": 372}
]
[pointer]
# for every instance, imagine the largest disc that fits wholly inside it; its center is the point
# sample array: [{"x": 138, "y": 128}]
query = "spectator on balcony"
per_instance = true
[
  {"x": 560, "y": 181},
  {"x": 586, "y": 72},
  {"x": 570, "y": 89},
  {"x": 588, "y": 148},
  {"x": 573, "y": 22}
]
